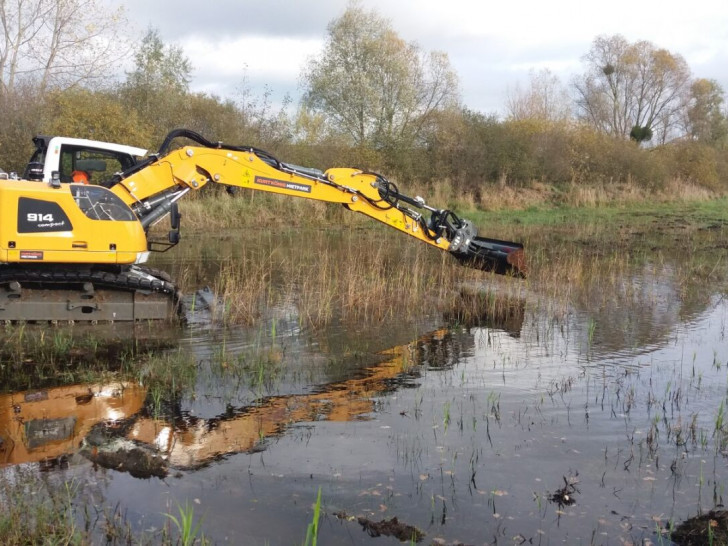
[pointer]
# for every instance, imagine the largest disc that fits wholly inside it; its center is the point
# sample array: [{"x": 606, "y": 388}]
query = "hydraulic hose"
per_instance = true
[{"x": 202, "y": 141}]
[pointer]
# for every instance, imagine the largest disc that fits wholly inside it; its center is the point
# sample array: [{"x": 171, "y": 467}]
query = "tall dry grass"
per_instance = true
[{"x": 368, "y": 276}]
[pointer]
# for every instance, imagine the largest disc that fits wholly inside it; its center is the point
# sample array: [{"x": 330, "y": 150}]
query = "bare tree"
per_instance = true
[
  {"x": 632, "y": 89},
  {"x": 545, "y": 98},
  {"x": 59, "y": 43}
]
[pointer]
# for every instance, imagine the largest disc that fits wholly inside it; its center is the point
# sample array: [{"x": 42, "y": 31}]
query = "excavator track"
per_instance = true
[{"x": 66, "y": 293}]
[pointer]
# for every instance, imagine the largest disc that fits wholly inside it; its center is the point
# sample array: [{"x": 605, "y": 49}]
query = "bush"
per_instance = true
[{"x": 697, "y": 163}]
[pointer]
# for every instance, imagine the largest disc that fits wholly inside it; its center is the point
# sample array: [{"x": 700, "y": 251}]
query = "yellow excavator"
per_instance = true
[{"x": 74, "y": 228}]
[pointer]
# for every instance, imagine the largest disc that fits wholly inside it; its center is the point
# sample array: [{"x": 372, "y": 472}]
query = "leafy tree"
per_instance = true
[
  {"x": 158, "y": 86},
  {"x": 632, "y": 85},
  {"x": 261, "y": 121},
  {"x": 81, "y": 113},
  {"x": 159, "y": 66},
  {"x": 19, "y": 110},
  {"x": 58, "y": 43},
  {"x": 97, "y": 115},
  {"x": 373, "y": 86},
  {"x": 706, "y": 122},
  {"x": 215, "y": 118}
]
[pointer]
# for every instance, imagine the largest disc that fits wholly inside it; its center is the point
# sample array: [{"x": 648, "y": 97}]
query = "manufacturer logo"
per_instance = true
[{"x": 263, "y": 181}]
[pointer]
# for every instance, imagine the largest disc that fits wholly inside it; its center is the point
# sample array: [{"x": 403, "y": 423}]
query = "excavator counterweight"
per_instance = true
[{"x": 62, "y": 241}]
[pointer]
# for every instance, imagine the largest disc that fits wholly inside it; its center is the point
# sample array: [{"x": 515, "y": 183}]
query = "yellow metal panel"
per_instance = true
[{"x": 88, "y": 241}]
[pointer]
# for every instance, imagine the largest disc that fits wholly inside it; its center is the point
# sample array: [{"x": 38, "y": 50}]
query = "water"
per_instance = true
[{"x": 596, "y": 421}]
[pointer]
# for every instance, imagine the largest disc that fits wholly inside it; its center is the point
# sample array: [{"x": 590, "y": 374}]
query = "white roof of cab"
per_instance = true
[{"x": 122, "y": 148}]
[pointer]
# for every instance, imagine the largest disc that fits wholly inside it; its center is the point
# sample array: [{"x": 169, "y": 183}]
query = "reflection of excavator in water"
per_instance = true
[
  {"x": 115, "y": 429},
  {"x": 42, "y": 425},
  {"x": 72, "y": 251}
]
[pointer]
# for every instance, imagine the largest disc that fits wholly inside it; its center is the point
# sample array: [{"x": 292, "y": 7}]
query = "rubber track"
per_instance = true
[{"x": 51, "y": 277}]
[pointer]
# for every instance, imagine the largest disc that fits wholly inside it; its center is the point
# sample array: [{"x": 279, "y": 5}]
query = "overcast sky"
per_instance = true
[{"x": 492, "y": 44}]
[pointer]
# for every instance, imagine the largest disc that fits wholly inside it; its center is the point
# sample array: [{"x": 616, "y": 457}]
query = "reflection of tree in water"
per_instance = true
[
  {"x": 635, "y": 312},
  {"x": 34, "y": 357},
  {"x": 476, "y": 306},
  {"x": 444, "y": 351}
]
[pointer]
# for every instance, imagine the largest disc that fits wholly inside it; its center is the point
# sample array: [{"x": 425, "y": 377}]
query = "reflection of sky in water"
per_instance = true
[
  {"x": 622, "y": 327},
  {"x": 486, "y": 427}
]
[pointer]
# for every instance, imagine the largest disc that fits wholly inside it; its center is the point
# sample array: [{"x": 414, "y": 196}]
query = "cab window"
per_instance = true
[
  {"x": 99, "y": 203},
  {"x": 96, "y": 165}
]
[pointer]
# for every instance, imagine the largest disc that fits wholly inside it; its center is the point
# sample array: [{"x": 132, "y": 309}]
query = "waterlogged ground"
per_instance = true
[{"x": 589, "y": 414}]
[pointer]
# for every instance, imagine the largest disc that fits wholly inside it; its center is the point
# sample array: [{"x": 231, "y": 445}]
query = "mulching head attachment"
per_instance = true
[{"x": 501, "y": 257}]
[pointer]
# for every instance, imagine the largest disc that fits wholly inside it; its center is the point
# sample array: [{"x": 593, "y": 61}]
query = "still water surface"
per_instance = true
[{"x": 592, "y": 421}]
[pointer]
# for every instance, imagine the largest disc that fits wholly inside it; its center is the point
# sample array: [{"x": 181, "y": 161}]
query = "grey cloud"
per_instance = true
[
  {"x": 218, "y": 19},
  {"x": 487, "y": 67}
]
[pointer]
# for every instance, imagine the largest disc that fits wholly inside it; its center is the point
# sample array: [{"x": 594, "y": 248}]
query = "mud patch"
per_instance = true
[
  {"x": 136, "y": 461},
  {"x": 104, "y": 446},
  {"x": 710, "y": 528},
  {"x": 391, "y": 528}
]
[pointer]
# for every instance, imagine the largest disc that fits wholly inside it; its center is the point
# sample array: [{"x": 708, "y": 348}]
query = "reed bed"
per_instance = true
[
  {"x": 243, "y": 290},
  {"x": 576, "y": 259},
  {"x": 38, "y": 509},
  {"x": 37, "y": 512},
  {"x": 581, "y": 240},
  {"x": 372, "y": 276}
]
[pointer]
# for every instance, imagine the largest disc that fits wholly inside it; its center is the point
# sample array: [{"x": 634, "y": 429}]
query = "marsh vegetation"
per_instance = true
[{"x": 585, "y": 403}]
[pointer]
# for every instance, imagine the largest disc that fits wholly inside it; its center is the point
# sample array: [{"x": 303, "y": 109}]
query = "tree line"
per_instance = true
[{"x": 372, "y": 100}]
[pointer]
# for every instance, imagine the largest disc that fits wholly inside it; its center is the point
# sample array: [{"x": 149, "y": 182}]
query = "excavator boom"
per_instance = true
[{"x": 369, "y": 193}]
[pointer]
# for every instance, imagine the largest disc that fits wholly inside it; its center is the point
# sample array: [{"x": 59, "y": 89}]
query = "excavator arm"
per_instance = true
[{"x": 153, "y": 187}]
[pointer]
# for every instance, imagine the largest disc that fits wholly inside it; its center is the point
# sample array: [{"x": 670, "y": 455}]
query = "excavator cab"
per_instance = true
[{"x": 79, "y": 160}]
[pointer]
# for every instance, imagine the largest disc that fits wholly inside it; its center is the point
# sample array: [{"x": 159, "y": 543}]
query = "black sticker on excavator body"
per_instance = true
[
  {"x": 37, "y": 216},
  {"x": 294, "y": 186}
]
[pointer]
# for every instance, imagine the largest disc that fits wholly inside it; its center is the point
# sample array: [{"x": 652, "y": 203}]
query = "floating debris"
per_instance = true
[
  {"x": 391, "y": 527},
  {"x": 565, "y": 495}
]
